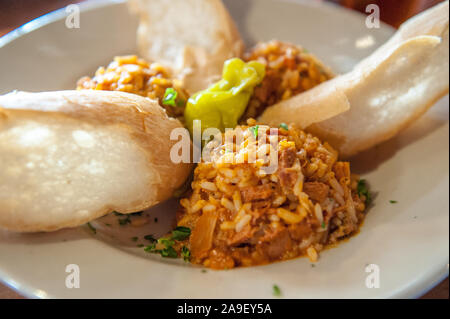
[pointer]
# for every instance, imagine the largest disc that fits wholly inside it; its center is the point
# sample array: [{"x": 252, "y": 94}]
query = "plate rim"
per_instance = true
[{"x": 415, "y": 291}]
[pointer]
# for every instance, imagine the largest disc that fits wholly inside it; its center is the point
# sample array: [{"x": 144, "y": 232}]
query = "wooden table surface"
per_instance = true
[{"x": 14, "y": 13}]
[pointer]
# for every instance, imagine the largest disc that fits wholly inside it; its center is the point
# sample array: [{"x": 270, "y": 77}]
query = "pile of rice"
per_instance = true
[
  {"x": 243, "y": 214},
  {"x": 290, "y": 70},
  {"x": 133, "y": 75}
]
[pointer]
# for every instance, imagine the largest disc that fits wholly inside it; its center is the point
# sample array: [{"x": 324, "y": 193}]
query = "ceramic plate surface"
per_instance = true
[{"x": 408, "y": 241}]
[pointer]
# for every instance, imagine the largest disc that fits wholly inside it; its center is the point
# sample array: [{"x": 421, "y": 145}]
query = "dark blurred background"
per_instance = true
[{"x": 14, "y": 13}]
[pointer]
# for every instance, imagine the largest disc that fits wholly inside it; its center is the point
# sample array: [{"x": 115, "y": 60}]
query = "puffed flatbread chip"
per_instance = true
[
  {"x": 69, "y": 157},
  {"x": 386, "y": 91},
  {"x": 192, "y": 37}
]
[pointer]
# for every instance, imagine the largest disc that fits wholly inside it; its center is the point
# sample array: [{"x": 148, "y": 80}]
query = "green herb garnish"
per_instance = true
[
  {"x": 170, "y": 97},
  {"x": 393, "y": 202},
  {"x": 92, "y": 228},
  {"x": 150, "y": 238},
  {"x": 169, "y": 252},
  {"x": 276, "y": 291},
  {"x": 204, "y": 271},
  {"x": 150, "y": 248},
  {"x": 124, "y": 221},
  {"x": 284, "y": 126},
  {"x": 324, "y": 225},
  {"x": 140, "y": 245},
  {"x": 181, "y": 233},
  {"x": 178, "y": 234},
  {"x": 254, "y": 130},
  {"x": 134, "y": 238},
  {"x": 363, "y": 190},
  {"x": 185, "y": 253}
]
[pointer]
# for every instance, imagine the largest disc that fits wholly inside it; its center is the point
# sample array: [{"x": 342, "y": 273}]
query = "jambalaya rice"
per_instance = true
[
  {"x": 133, "y": 75},
  {"x": 243, "y": 214},
  {"x": 290, "y": 70}
]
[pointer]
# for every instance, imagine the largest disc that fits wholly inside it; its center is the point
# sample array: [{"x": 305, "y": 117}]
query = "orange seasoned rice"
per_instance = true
[
  {"x": 133, "y": 75},
  {"x": 240, "y": 215},
  {"x": 290, "y": 70}
]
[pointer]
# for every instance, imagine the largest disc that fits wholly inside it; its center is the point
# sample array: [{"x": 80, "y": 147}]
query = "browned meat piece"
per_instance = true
[
  {"x": 287, "y": 157},
  {"x": 254, "y": 193},
  {"x": 300, "y": 231},
  {"x": 316, "y": 191},
  {"x": 242, "y": 237},
  {"x": 276, "y": 243},
  {"x": 287, "y": 177}
]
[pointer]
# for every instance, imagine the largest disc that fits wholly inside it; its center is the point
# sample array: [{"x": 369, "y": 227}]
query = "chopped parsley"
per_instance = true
[
  {"x": 150, "y": 238},
  {"x": 324, "y": 225},
  {"x": 92, "y": 228},
  {"x": 363, "y": 190},
  {"x": 313, "y": 266},
  {"x": 276, "y": 291},
  {"x": 134, "y": 239},
  {"x": 185, "y": 253},
  {"x": 140, "y": 245},
  {"x": 284, "y": 126},
  {"x": 170, "y": 97},
  {"x": 254, "y": 130},
  {"x": 124, "y": 221},
  {"x": 169, "y": 252},
  {"x": 181, "y": 233},
  {"x": 178, "y": 234},
  {"x": 393, "y": 202},
  {"x": 204, "y": 271}
]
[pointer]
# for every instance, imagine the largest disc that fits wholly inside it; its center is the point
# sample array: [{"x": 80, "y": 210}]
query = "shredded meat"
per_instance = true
[
  {"x": 276, "y": 242},
  {"x": 316, "y": 191},
  {"x": 300, "y": 231},
  {"x": 287, "y": 176},
  {"x": 287, "y": 157},
  {"x": 255, "y": 193},
  {"x": 242, "y": 237}
]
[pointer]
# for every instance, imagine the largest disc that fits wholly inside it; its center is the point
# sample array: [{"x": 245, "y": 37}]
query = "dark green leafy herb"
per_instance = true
[
  {"x": 134, "y": 238},
  {"x": 92, "y": 228},
  {"x": 324, "y": 225},
  {"x": 276, "y": 291},
  {"x": 181, "y": 233},
  {"x": 124, "y": 221},
  {"x": 284, "y": 126},
  {"x": 178, "y": 234},
  {"x": 254, "y": 130},
  {"x": 169, "y": 252},
  {"x": 363, "y": 190},
  {"x": 393, "y": 202},
  {"x": 185, "y": 253},
  {"x": 140, "y": 245},
  {"x": 150, "y": 238},
  {"x": 170, "y": 97},
  {"x": 166, "y": 242}
]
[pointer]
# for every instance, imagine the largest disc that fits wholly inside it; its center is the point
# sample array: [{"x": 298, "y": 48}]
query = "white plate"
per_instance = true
[{"x": 409, "y": 241}]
